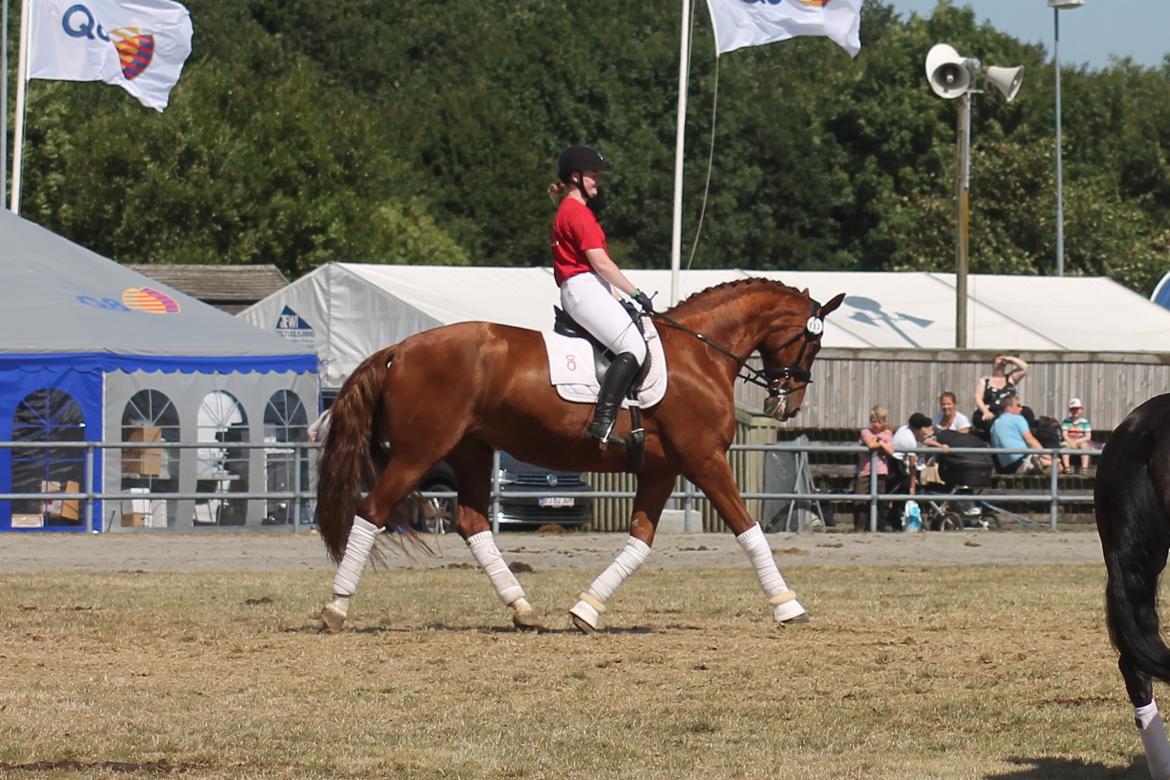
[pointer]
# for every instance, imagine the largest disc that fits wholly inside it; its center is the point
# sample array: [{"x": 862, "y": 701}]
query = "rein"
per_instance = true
[{"x": 769, "y": 376}]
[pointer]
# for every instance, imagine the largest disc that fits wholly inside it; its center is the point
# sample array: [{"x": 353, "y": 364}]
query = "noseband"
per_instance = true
[{"x": 774, "y": 380}]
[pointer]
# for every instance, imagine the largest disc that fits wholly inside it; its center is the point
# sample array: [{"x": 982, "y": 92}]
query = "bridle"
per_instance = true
[{"x": 775, "y": 380}]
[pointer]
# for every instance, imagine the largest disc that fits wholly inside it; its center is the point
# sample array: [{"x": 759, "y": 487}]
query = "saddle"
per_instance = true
[
  {"x": 603, "y": 355},
  {"x": 635, "y": 443}
]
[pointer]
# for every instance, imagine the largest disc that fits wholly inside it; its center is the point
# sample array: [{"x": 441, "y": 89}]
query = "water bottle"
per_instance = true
[{"x": 912, "y": 517}]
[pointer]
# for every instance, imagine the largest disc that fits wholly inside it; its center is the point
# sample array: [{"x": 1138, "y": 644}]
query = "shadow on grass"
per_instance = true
[
  {"x": 316, "y": 628},
  {"x": 1068, "y": 769}
]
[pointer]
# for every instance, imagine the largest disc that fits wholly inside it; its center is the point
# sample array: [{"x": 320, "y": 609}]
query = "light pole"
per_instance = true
[
  {"x": 1057, "y": 6},
  {"x": 952, "y": 75}
]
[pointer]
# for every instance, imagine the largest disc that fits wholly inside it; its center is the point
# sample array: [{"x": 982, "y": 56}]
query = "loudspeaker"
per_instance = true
[
  {"x": 947, "y": 71},
  {"x": 1006, "y": 80}
]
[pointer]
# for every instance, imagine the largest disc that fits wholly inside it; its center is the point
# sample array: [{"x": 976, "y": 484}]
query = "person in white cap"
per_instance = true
[{"x": 1076, "y": 433}]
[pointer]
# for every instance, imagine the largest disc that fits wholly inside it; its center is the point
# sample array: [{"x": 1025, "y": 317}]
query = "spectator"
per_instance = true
[
  {"x": 916, "y": 433},
  {"x": 877, "y": 437},
  {"x": 948, "y": 417},
  {"x": 1076, "y": 433},
  {"x": 1010, "y": 430},
  {"x": 993, "y": 389}
]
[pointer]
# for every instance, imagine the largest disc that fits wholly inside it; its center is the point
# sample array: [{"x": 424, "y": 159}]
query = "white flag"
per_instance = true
[
  {"x": 740, "y": 23},
  {"x": 140, "y": 45}
]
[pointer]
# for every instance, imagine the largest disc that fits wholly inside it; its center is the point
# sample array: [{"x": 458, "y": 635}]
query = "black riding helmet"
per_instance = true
[{"x": 579, "y": 158}]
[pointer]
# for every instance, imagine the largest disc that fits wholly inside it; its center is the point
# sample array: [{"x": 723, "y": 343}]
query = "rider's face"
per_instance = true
[{"x": 590, "y": 182}]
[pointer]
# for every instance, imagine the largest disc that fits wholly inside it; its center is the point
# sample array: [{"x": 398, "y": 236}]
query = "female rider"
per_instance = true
[{"x": 586, "y": 275}]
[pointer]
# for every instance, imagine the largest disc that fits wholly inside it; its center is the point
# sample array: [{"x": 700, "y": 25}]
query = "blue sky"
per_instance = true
[{"x": 1138, "y": 29}]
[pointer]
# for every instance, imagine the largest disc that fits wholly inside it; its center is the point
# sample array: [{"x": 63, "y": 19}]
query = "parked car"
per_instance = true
[{"x": 515, "y": 475}]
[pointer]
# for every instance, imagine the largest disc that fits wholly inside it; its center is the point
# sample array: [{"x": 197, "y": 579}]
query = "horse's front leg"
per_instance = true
[
  {"x": 653, "y": 490},
  {"x": 472, "y": 461},
  {"x": 715, "y": 479}
]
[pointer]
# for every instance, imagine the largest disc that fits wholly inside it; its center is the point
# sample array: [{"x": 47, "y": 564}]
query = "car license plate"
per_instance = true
[{"x": 555, "y": 501}]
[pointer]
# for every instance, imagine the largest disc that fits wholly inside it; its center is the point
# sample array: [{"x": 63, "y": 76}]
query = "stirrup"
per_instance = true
[{"x": 606, "y": 438}]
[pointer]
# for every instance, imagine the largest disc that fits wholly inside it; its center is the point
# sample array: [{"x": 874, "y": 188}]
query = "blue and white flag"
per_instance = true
[
  {"x": 139, "y": 45},
  {"x": 740, "y": 23}
]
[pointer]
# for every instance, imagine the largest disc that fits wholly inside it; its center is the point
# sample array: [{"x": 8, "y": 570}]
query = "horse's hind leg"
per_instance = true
[
  {"x": 714, "y": 477},
  {"x": 1140, "y": 688},
  {"x": 653, "y": 490},
  {"x": 472, "y": 461},
  {"x": 374, "y": 512}
]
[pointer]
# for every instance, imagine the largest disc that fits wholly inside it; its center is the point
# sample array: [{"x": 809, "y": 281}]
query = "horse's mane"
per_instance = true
[{"x": 716, "y": 294}]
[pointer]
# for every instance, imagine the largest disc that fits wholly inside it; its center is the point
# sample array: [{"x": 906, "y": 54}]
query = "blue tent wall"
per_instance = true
[{"x": 83, "y": 385}]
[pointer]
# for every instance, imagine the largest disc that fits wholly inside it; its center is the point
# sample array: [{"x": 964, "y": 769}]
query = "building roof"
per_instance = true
[{"x": 231, "y": 288}]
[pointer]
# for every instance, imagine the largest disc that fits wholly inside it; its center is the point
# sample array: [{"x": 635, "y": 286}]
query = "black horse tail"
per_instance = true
[
  {"x": 1135, "y": 537},
  {"x": 347, "y": 456}
]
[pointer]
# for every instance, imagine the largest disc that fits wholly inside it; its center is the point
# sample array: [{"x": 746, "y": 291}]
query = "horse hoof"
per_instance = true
[
  {"x": 332, "y": 619},
  {"x": 790, "y": 612},
  {"x": 585, "y": 617},
  {"x": 528, "y": 620}
]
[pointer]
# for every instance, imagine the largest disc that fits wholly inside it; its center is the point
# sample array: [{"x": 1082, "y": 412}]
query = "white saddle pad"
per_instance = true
[{"x": 573, "y": 370}]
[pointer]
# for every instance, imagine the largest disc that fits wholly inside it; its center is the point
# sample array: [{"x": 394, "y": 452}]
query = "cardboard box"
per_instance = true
[
  {"x": 133, "y": 520},
  {"x": 28, "y": 521},
  {"x": 144, "y": 512},
  {"x": 145, "y": 462},
  {"x": 62, "y": 508}
]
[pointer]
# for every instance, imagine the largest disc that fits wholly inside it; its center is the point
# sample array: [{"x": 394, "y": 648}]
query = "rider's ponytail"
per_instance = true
[{"x": 557, "y": 191}]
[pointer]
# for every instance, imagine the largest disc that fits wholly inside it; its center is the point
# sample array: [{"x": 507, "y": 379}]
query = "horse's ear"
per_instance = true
[
  {"x": 804, "y": 292},
  {"x": 831, "y": 306}
]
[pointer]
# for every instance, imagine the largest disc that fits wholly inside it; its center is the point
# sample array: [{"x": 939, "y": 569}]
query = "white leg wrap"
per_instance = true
[
  {"x": 357, "y": 552},
  {"x": 591, "y": 603},
  {"x": 1153, "y": 733},
  {"x": 628, "y": 561},
  {"x": 487, "y": 555},
  {"x": 780, "y": 598}
]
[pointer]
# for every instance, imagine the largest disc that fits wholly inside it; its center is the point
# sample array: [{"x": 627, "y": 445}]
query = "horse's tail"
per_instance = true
[
  {"x": 1135, "y": 536},
  {"x": 346, "y": 462}
]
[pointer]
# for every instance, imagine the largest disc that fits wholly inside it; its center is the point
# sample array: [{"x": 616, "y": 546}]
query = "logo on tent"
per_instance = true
[
  {"x": 293, "y": 327},
  {"x": 149, "y": 300}
]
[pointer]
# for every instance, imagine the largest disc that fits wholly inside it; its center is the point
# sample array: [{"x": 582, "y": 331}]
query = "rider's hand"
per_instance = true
[{"x": 644, "y": 301}]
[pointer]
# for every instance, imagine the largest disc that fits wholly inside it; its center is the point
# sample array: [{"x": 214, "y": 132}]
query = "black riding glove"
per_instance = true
[{"x": 643, "y": 300}]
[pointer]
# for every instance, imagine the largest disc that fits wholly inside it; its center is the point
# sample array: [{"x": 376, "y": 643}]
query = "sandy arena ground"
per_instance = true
[{"x": 284, "y": 551}]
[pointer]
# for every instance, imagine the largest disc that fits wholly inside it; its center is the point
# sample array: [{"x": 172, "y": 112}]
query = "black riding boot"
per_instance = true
[{"x": 615, "y": 384}]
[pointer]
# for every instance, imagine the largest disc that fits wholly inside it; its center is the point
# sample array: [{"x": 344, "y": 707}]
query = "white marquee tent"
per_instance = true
[{"x": 348, "y": 311}]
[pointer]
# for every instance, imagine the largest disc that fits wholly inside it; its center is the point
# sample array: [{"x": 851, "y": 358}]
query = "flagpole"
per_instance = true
[
  {"x": 3, "y": 100},
  {"x": 680, "y": 138},
  {"x": 18, "y": 130}
]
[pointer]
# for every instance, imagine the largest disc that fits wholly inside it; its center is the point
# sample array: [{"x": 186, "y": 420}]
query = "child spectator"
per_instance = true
[
  {"x": 1076, "y": 433},
  {"x": 879, "y": 437}
]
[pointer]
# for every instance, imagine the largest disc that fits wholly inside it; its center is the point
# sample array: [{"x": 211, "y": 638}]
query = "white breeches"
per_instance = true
[{"x": 588, "y": 300}]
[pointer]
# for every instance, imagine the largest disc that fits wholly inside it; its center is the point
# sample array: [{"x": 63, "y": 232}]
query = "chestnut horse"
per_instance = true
[
  {"x": 462, "y": 391},
  {"x": 1132, "y": 498}
]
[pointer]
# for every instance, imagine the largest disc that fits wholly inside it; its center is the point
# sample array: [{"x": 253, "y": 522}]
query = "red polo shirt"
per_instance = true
[{"x": 574, "y": 230}]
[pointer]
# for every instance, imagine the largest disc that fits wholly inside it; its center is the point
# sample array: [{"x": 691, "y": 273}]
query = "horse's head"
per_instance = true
[{"x": 788, "y": 358}]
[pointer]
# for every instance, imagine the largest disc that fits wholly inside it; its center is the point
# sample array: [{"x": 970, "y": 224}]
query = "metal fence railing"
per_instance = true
[{"x": 301, "y": 495}]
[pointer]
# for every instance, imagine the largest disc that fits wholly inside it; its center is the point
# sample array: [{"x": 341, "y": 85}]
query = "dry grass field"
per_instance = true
[{"x": 978, "y": 671}]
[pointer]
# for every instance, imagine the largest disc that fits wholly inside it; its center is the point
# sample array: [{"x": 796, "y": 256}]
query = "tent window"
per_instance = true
[
  {"x": 149, "y": 416},
  {"x": 221, "y": 469},
  {"x": 43, "y": 417},
  {"x": 285, "y": 420}
]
